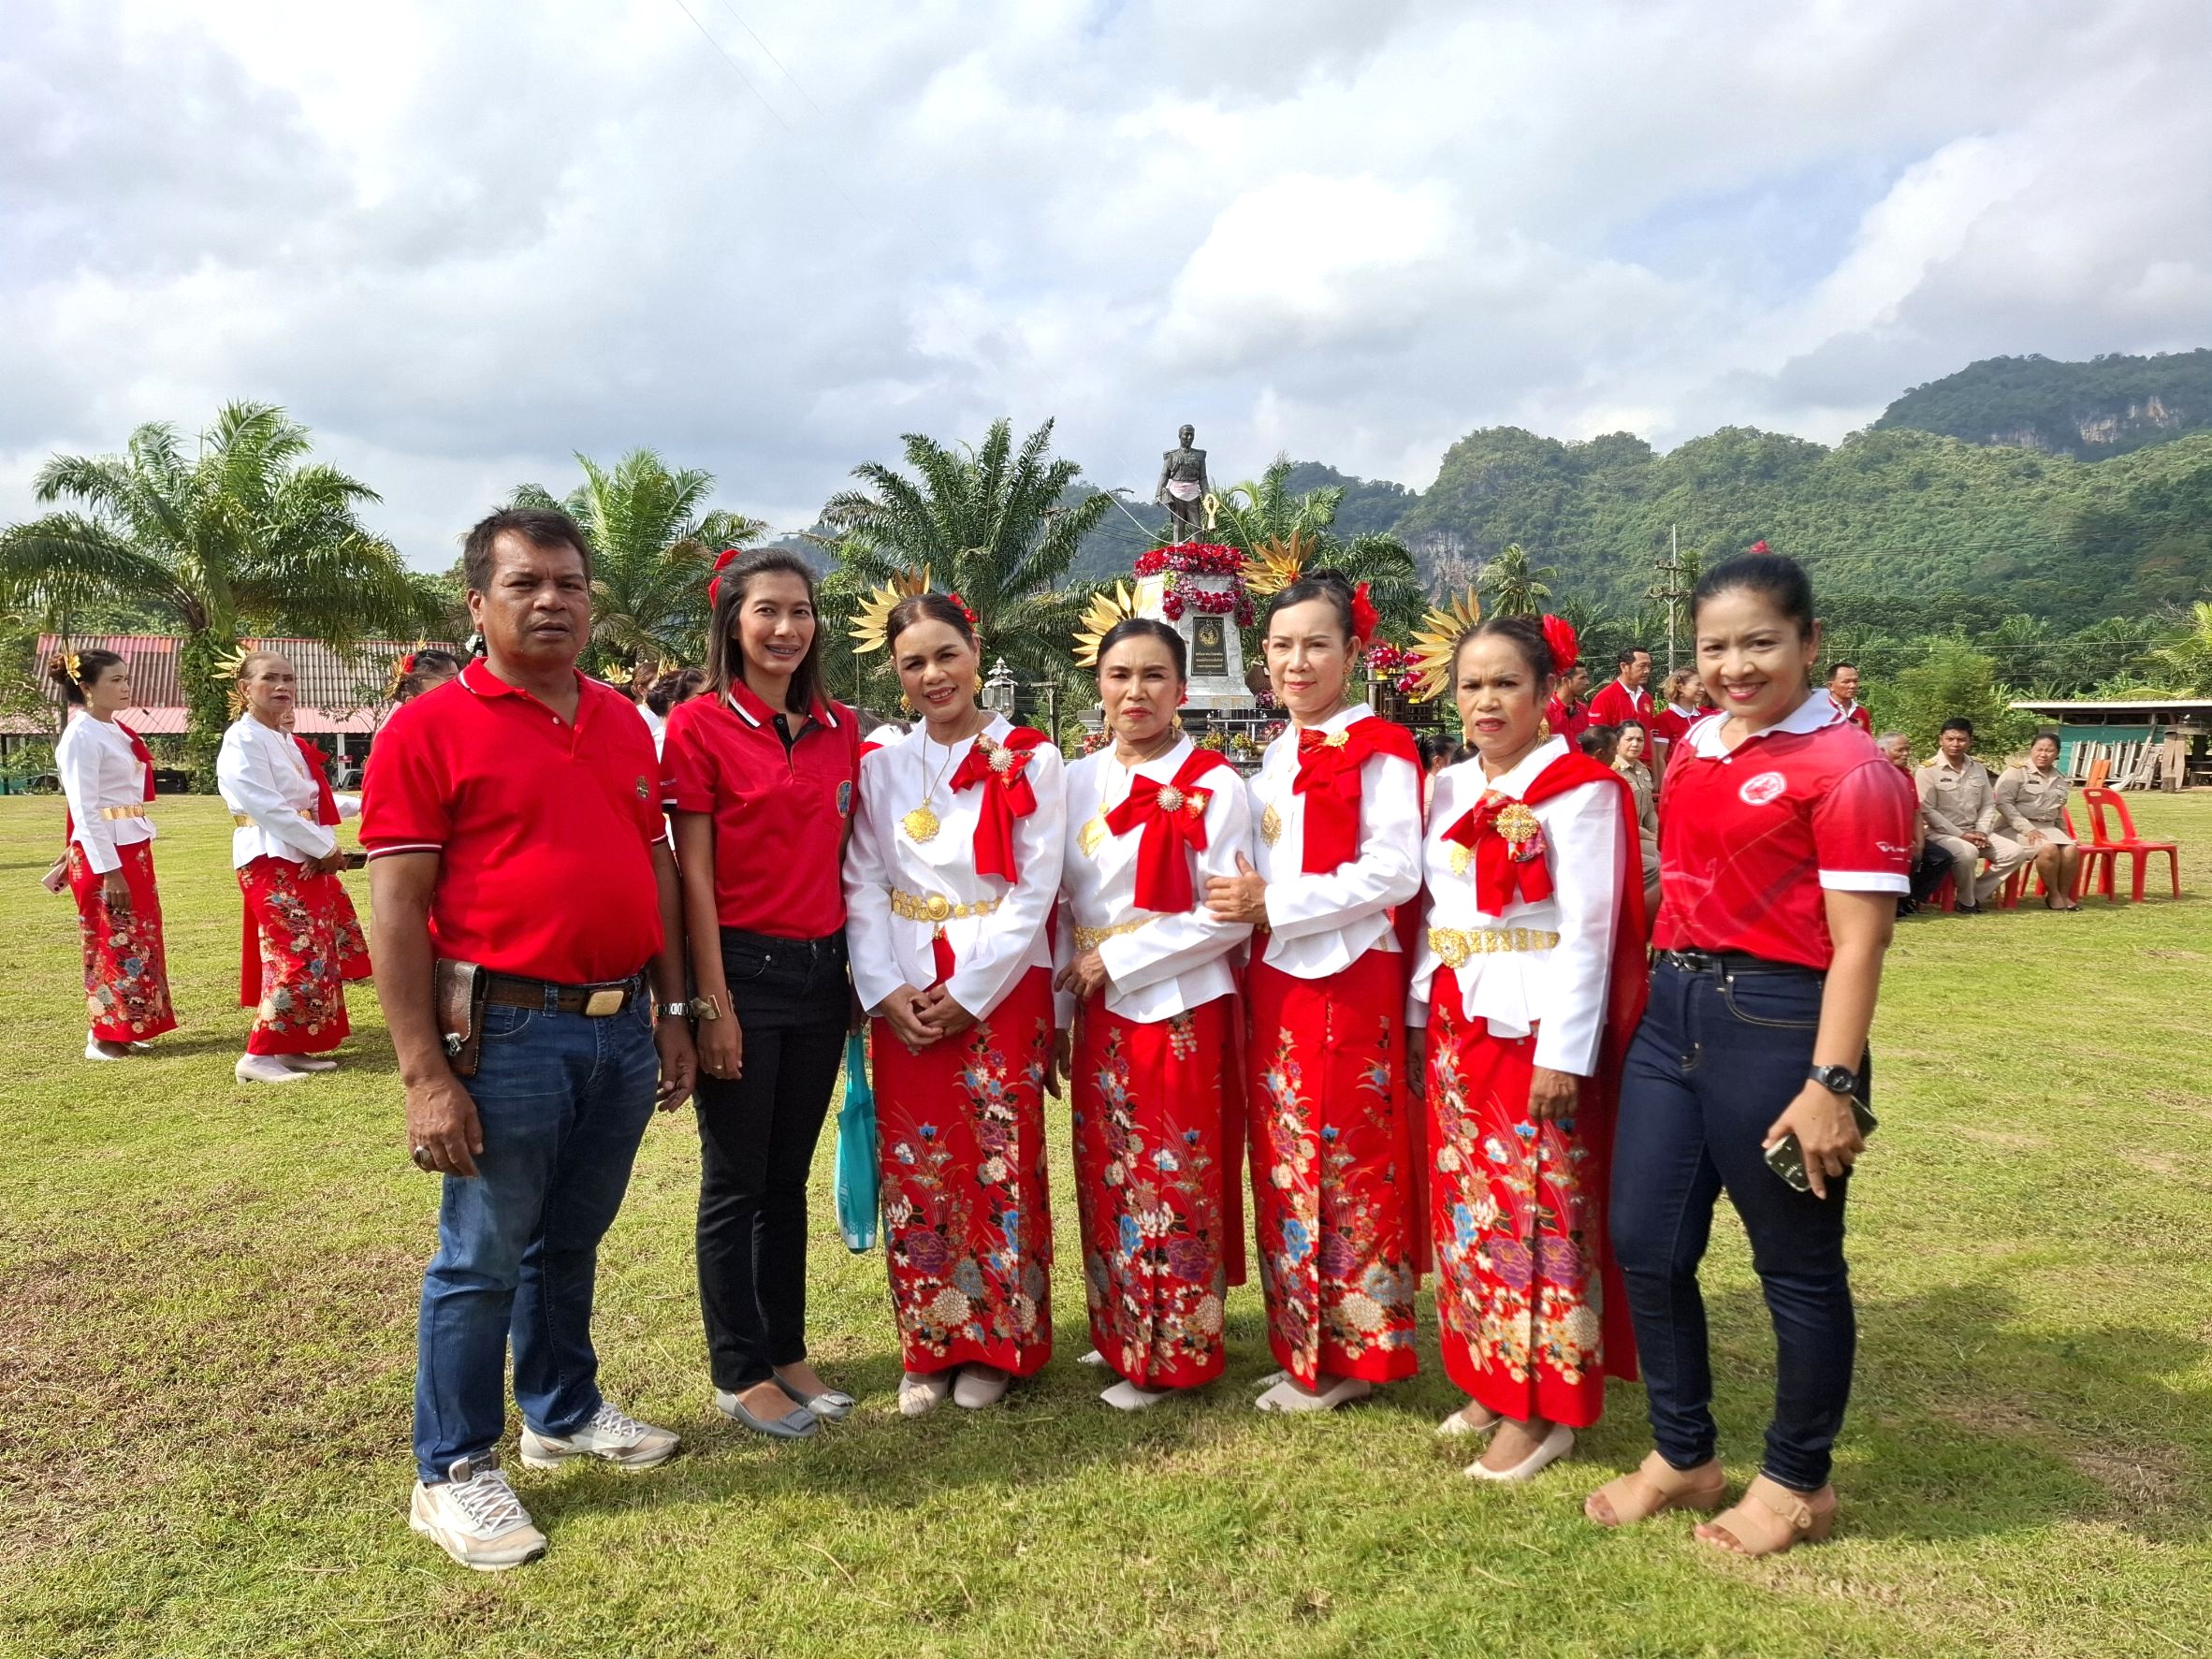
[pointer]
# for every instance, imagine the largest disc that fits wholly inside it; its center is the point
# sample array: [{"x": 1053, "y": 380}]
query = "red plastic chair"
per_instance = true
[{"x": 2101, "y": 801}]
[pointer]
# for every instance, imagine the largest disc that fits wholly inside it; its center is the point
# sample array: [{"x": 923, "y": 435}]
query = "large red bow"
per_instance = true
[
  {"x": 1507, "y": 843},
  {"x": 714, "y": 585},
  {"x": 1365, "y": 624},
  {"x": 1003, "y": 770},
  {"x": 1329, "y": 766},
  {"x": 1565, "y": 646},
  {"x": 1173, "y": 818}
]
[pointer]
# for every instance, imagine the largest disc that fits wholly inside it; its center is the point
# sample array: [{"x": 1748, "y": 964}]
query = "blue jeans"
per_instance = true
[
  {"x": 1716, "y": 1060},
  {"x": 565, "y": 1100}
]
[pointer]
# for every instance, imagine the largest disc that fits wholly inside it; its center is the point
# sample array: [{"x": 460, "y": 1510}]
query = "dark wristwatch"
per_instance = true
[
  {"x": 673, "y": 1011},
  {"x": 1836, "y": 1080}
]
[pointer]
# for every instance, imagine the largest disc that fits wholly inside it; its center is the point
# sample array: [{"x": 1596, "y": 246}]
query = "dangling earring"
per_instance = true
[
  {"x": 1175, "y": 721},
  {"x": 907, "y": 707},
  {"x": 1543, "y": 729},
  {"x": 979, "y": 685}
]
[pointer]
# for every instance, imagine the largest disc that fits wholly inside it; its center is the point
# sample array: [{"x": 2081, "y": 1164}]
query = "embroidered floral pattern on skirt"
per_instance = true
[
  {"x": 967, "y": 1225},
  {"x": 1329, "y": 1140},
  {"x": 1519, "y": 1228},
  {"x": 126, "y": 982},
  {"x": 302, "y": 1007},
  {"x": 1149, "y": 1166}
]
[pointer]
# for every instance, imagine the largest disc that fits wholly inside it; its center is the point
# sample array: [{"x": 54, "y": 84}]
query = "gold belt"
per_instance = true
[
  {"x": 137, "y": 809},
  {"x": 935, "y": 906},
  {"x": 246, "y": 822},
  {"x": 1090, "y": 938},
  {"x": 1455, "y": 945}
]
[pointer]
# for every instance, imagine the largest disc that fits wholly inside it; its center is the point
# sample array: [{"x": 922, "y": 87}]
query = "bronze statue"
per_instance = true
[{"x": 1183, "y": 487}]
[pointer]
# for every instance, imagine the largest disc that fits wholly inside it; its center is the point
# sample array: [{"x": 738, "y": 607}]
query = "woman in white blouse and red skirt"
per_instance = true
[
  {"x": 1146, "y": 1013},
  {"x": 1529, "y": 979},
  {"x": 108, "y": 776},
  {"x": 950, "y": 884},
  {"x": 1339, "y": 805},
  {"x": 287, "y": 865}
]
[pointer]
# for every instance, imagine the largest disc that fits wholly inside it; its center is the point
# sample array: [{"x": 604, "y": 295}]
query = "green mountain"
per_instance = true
[{"x": 2106, "y": 406}]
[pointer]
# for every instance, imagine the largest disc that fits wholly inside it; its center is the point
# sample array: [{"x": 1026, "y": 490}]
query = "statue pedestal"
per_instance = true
[{"x": 1211, "y": 643}]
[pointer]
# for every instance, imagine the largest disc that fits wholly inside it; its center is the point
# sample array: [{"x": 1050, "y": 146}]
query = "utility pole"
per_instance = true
[{"x": 1668, "y": 590}]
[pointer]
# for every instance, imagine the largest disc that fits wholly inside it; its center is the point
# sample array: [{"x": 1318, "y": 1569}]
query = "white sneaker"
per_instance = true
[
  {"x": 610, "y": 1436},
  {"x": 475, "y": 1517},
  {"x": 266, "y": 1069},
  {"x": 305, "y": 1063},
  {"x": 98, "y": 1049}
]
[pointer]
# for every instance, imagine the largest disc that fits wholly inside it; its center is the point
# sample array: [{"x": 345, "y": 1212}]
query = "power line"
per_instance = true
[
  {"x": 774, "y": 114},
  {"x": 774, "y": 59}
]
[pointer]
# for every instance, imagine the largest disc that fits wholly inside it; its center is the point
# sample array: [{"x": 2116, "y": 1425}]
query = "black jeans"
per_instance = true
[
  {"x": 1717, "y": 1058},
  {"x": 757, "y": 1133},
  {"x": 1928, "y": 872}
]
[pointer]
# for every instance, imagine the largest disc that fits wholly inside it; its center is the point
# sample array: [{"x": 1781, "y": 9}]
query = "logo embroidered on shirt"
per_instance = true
[
  {"x": 845, "y": 799},
  {"x": 643, "y": 792},
  {"x": 1757, "y": 792}
]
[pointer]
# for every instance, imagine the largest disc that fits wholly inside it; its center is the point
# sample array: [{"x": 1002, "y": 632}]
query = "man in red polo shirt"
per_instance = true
[
  {"x": 1843, "y": 693},
  {"x": 512, "y": 820},
  {"x": 1625, "y": 698},
  {"x": 1567, "y": 714}
]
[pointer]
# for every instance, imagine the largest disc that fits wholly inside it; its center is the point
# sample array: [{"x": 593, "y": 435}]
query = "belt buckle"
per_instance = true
[
  {"x": 606, "y": 1001},
  {"x": 936, "y": 907},
  {"x": 1453, "y": 948}
]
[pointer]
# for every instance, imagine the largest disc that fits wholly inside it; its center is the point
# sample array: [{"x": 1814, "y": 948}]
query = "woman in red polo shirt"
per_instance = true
[
  {"x": 954, "y": 869},
  {"x": 760, "y": 778},
  {"x": 1529, "y": 979},
  {"x": 1788, "y": 842}
]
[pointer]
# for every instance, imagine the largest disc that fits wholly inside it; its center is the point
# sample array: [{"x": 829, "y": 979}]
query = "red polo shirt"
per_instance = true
[
  {"x": 779, "y": 812},
  {"x": 1857, "y": 714},
  {"x": 1615, "y": 702},
  {"x": 1566, "y": 723},
  {"x": 1749, "y": 838},
  {"x": 544, "y": 830}
]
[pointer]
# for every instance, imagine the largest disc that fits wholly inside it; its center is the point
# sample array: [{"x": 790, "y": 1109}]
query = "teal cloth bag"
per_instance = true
[{"x": 856, "y": 1151}]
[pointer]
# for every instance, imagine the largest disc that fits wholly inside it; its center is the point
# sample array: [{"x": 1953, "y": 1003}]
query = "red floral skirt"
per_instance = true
[
  {"x": 1153, "y": 1155},
  {"x": 1332, "y": 1157},
  {"x": 347, "y": 933},
  {"x": 966, "y": 1226},
  {"x": 126, "y": 976},
  {"x": 1529, "y": 1324},
  {"x": 302, "y": 1009}
]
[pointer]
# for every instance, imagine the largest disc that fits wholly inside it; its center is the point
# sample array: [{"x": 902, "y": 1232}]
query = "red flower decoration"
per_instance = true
[
  {"x": 1364, "y": 620},
  {"x": 1760, "y": 546},
  {"x": 1559, "y": 633},
  {"x": 960, "y": 605},
  {"x": 714, "y": 587}
]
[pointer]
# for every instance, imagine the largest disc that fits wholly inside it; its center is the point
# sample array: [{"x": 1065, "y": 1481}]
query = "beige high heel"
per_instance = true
[
  {"x": 1654, "y": 1486},
  {"x": 1773, "y": 1518}
]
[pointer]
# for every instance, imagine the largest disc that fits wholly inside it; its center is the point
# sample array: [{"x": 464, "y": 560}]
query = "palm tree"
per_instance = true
[
  {"x": 652, "y": 551},
  {"x": 1262, "y": 511},
  {"x": 988, "y": 524},
  {"x": 2185, "y": 658},
  {"x": 242, "y": 536},
  {"x": 1515, "y": 587}
]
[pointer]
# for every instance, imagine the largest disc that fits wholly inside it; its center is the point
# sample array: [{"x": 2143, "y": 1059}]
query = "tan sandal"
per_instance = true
[
  {"x": 1656, "y": 1485},
  {"x": 1773, "y": 1518}
]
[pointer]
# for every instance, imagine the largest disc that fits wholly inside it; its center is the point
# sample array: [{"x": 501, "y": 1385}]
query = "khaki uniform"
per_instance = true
[
  {"x": 2030, "y": 800},
  {"x": 1956, "y": 801}
]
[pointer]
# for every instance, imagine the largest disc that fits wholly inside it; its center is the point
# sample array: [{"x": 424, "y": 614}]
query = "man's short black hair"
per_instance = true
[
  {"x": 542, "y": 527},
  {"x": 1629, "y": 654},
  {"x": 1958, "y": 723}
]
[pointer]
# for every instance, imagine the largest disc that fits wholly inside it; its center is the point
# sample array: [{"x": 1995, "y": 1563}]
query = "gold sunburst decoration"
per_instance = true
[
  {"x": 875, "y": 614},
  {"x": 1276, "y": 563},
  {"x": 1436, "y": 641},
  {"x": 1098, "y": 618}
]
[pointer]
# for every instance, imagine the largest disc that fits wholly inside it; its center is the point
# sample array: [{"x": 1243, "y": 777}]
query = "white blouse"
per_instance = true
[
  {"x": 1168, "y": 963},
  {"x": 1320, "y": 924},
  {"x": 98, "y": 769},
  {"x": 1560, "y": 993},
  {"x": 989, "y": 952},
  {"x": 263, "y": 775}
]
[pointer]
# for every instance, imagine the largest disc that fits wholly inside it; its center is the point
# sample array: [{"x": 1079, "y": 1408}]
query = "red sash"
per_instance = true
[
  {"x": 1329, "y": 766},
  {"x": 1509, "y": 848},
  {"x": 318, "y": 768},
  {"x": 1003, "y": 771},
  {"x": 1173, "y": 818}
]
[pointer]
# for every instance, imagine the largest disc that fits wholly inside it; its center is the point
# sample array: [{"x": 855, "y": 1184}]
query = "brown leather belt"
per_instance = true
[{"x": 596, "y": 1002}]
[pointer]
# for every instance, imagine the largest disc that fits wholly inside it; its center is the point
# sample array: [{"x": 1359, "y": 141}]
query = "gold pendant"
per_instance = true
[
  {"x": 1271, "y": 826},
  {"x": 1091, "y": 837},
  {"x": 920, "y": 824},
  {"x": 1461, "y": 858}
]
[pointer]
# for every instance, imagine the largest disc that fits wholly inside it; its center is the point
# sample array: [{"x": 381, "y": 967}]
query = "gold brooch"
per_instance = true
[
  {"x": 921, "y": 824},
  {"x": 1091, "y": 837},
  {"x": 1518, "y": 824},
  {"x": 1170, "y": 799},
  {"x": 1461, "y": 858},
  {"x": 1271, "y": 826},
  {"x": 999, "y": 759},
  {"x": 1336, "y": 740}
]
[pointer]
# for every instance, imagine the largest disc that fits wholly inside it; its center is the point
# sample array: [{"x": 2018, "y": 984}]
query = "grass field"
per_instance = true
[{"x": 207, "y": 1306}]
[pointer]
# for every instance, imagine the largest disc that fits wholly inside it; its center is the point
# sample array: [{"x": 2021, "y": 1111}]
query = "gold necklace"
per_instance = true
[{"x": 922, "y": 823}]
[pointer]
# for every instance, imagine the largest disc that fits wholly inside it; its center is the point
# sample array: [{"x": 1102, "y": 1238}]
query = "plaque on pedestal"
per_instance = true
[{"x": 1210, "y": 640}]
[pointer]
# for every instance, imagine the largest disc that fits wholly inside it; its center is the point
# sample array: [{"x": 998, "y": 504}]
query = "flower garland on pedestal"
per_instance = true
[
  {"x": 1199, "y": 559},
  {"x": 1393, "y": 667}
]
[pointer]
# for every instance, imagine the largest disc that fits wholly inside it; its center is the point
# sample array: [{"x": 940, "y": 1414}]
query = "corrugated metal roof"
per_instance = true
[{"x": 337, "y": 693}]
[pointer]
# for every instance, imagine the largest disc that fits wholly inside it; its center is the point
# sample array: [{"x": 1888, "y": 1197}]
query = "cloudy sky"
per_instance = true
[{"x": 766, "y": 236}]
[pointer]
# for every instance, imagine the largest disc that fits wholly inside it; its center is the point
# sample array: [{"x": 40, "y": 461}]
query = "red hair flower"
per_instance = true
[
  {"x": 1559, "y": 633},
  {"x": 407, "y": 662},
  {"x": 714, "y": 586},
  {"x": 1364, "y": 620},
  {"x": 960, "y": 605},
  {"x": 1760, "y": 546}
]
